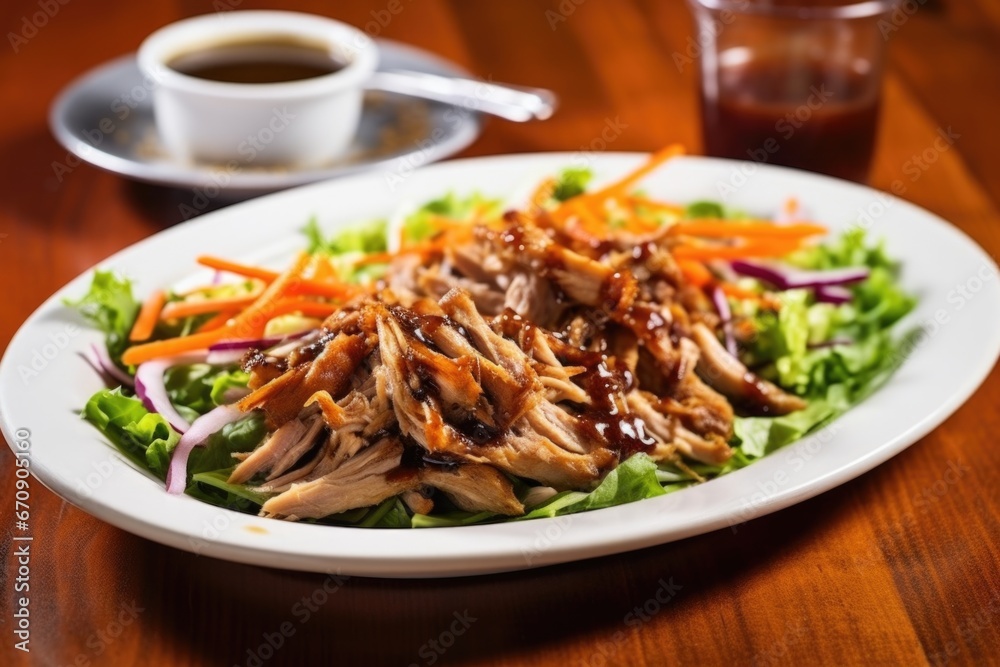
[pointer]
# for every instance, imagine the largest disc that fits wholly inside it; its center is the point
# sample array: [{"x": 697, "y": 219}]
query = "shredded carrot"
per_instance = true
[
  {"x": 322, "y": 269},
  {"x": 145, "y": 322},
  {"x": 247, "y": 324},
  {"x": 619, "y": 188},
  {"x": 590, "y": 223},
  {"x": 325, "y": 288},
  {"x": 542, "y": 193},
  {"x": 639, "y": 225},
  {"x": 443, "y": 222},
  {"x": 717, "y": 228},
  {"x": 757, "y": 248},
  {"x": 694, "y": 272},
  {"x": 629, "y": 181},
  {"x": 180, "y": 309},
  {"x": 138, "y": 354},
  {"x": 239, "y": 269},
  {"x": 457, "y": 234},
  {"x": 380, "y": 257},
  {"x": 304, "y": 306},
  {"x": 252, "y": 320},
  {"x": 737, "y": 292},
  {"x": 217, "y": 321},
  {"x": 791, "y": 208},
  {"x": 653, "y": 205}
]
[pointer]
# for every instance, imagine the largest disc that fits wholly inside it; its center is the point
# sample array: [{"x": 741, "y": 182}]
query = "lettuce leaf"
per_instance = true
[
  {"x": 195, "y": 389},
  {"x": 833, "y": 355},
  {"x": 704, "y": 209},
  {"x": 235, "y": 493},
  {"x": 572, "y": 182},
  {"x": 835, "y": 379},
  {"x": 364, "y": 237},
  {"x": 634, "y": 479},
  {"x": 148, "y": 441},
  {"x": 390, "y": 513},
  {"x": 143, "y": 436},
  {"x": 419, "y": 225},
  {"x": 109, "y": 304},
  {"x": 851, "y": 248},
  {"x": 242, "y": 435},
  {"x": 224, "y": 381}
]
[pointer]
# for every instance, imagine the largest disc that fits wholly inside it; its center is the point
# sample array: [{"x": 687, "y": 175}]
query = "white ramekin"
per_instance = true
[{"x": 295, "y": 124}]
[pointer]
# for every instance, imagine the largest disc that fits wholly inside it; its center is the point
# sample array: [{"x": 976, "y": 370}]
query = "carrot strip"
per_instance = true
[
  {"x": 138, "y": 354},
  {"x": 542, "y": 193},
  {"x": 791, "y": 208},
  {"x": 762, "y": 248},
  {"x": 695, "y": 273},
  {"x": 459, "y": 233},
  {"x": 636, "y": 224},
  {"x": 251, "y": 321},
  {"x": 247, "y": 324},
  {"x": 590, "y": 222},
  {"x": 304, "y": 286},
  {"x": 737, "y": 292},
  {"x": 619, "y": 188},
  {"x": 323, "y": 270},
  {"x": 653, "y": 205},
  {"x": 306, "y": 307},
  {"x": 220, "y": 264},
  {"x": 381, "y": 257},
  {"x": 180, "y": 309},
  {"x": 655, "y": 161},
  {"x": 716, "y": 228},
  {"x": 145, "y": 322},
  {"x": 217, "y": 321}
]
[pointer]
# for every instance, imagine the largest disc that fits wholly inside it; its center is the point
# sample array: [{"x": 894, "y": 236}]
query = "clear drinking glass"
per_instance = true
[{"x": 792, "y": 82}]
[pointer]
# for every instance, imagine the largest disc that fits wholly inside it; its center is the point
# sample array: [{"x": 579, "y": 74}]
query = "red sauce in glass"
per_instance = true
[{"x": 805, "y": 114}]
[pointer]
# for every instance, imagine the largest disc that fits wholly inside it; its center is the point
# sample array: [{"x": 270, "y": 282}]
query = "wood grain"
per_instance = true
[{"x": 897, "y": 567}]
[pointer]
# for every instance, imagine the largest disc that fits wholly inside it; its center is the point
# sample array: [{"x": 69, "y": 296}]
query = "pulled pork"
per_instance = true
[{"x": 524, "y": 353}]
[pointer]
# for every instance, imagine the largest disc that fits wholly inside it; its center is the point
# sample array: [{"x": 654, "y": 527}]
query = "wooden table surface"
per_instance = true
[{"x": 897, "y": 567}]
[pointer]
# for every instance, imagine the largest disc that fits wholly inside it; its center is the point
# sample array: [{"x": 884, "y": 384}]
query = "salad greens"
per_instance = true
[
  {"x": 109, "y": 304},
  {"x": 365, "y": 238},
  {"x": 831, "y": 355},
  {"x": 419, "y": 226},
  {"x": 144, "y": 437},
  {"x": 571, "y": 182}
]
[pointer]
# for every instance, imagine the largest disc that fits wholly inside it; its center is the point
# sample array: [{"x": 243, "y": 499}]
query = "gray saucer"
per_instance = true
[{"x": 105, "y": 117}]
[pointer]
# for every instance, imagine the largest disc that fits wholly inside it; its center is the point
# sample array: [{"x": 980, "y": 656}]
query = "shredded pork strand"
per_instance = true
[{"x": 522, "y": 353}]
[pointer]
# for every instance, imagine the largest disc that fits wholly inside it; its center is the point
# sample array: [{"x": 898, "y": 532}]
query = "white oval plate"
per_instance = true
[{"x": 44, "y": 381}]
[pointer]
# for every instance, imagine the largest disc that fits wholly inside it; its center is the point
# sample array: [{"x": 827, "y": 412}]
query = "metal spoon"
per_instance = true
[{"x": 514, "y": 103}]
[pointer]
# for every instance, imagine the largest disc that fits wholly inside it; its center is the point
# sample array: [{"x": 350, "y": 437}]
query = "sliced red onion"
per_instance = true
[
  {"x": 286, "y": 348},
  {"x": 110, "y": 367},
  {"x": 201, "y": 429},
  {"x": 833, "y": 294},
  {"x": 726, "y": 315},
  {"x": 224, "y": 357},
  {"x": 258, "y": 343},
  {"x": 234, "y": 394},
  {"x": 787, "y": 277},
  {"x": 99, "y": 359},
  {"x": 244, "y": 344},
  {"x": 151, "y": 390}
]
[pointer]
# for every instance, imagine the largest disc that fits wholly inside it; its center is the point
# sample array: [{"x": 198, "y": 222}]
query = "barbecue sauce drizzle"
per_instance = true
[{"x": 606, "y": 381}]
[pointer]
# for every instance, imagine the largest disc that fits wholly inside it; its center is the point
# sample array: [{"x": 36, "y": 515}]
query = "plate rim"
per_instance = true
[{"x": 383, "y": 566}]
